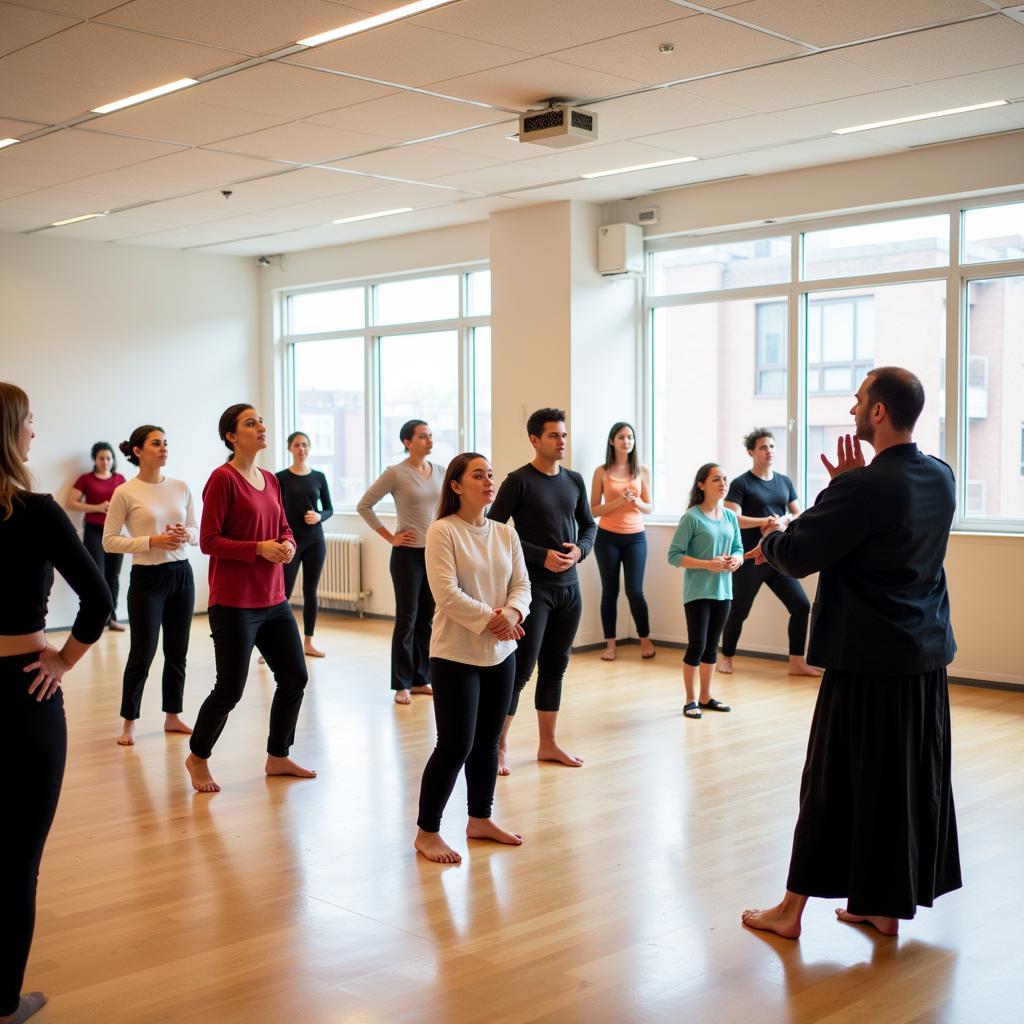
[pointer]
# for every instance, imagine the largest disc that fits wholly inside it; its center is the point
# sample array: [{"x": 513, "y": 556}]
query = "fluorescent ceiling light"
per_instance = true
[
  {"x": 371, "y": 216},
  {"x": 8, "y": 142},
  {"x": 918, "y": 117},
  {"x": 141, "y": 97},
  {"x": 355, "y": 27},
  {"x": 640, "y": 167},
  {"x": 75, "y": 220}
]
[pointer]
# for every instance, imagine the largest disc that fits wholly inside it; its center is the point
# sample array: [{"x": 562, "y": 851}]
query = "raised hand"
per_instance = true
[{"x": 848, "y": 456}]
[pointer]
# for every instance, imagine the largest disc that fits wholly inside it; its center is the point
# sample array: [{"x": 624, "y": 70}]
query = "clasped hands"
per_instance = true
[
  {"x": 560, "y": 561},
  {"x": 505, "y": 624},
  {"x": 174, "y": 536},
  {"x": 725, "y": 563},
  {"x": 275, "y": 550}
]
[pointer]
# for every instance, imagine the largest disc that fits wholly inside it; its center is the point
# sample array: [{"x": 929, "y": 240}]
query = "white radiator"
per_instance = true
[{"x": 341, "y": 583}]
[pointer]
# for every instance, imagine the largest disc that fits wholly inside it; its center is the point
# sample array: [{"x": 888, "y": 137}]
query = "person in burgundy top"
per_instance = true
[
  {"x": 91, "y": 494},
  {"x": 246, "y": 535}
]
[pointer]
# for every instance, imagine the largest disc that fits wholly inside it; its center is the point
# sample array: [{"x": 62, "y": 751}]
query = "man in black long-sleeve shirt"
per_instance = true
[
  {"x": 552, "y": 516},
  {"x": 877, "y": 823}
]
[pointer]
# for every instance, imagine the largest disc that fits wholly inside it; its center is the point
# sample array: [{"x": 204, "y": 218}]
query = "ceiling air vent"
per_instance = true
[{"x": 558, "y": 126}]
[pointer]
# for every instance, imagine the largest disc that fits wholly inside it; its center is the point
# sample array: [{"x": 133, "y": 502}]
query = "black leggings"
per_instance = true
[
  {"x": 550, "y": 630},
  {"x": 414, "y": 612},
  {"x": 470, "y": 707},
  {"x": 108, "y": 564},
  {"x": 310, "y": 553},
  {"x": 628, "y": 550},
  {"x": 746, "y": 582},
  {"x": 158, "y": 595},
  {"x": 33, "y": 743},
  {"x": 235, "y": 632},
  {"x": 704, "y": 621}
]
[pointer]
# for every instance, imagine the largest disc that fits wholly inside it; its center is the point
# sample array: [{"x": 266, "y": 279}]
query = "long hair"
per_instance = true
[
  {"x": 609, "y": 453},
  {"x": 14, "y": 477},
  {"x": 137, "y": 439},
  {"x": 228, "y": 424},
  {"x": 696, "y": 494},
  {"x": 449, "y": 503}
]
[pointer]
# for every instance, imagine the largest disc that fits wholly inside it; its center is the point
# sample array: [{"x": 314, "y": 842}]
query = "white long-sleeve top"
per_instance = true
[
  {"x": 148, "y": 509},
  {"x": 472, "y": 570}
]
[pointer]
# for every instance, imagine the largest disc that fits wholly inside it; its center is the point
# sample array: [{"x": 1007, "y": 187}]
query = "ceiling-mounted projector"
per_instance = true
[{"x": 558, "y": 125}]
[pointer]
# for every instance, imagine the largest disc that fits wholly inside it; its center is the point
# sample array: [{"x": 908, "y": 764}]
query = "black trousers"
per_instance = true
[
  {"x": 414, "y": 612},
  {"x": 33, "y": 746},
  {"x": 235, "y": 632},
  {"x": 628, "y": 551},
  {"x": 158, "y": 596},
  {"x": 550, "y": 630},
  {"x": 470, "y": 707},
  {"x": 108, "y": 564},
  {"x": 746, "y": 582},
  {"x": 704, "y": 621},
  {"x": 310, "y": 553}
]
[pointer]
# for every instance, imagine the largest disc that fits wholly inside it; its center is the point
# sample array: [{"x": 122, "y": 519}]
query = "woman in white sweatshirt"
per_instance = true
[
  {"x": 157, "y": 512},
  {"x": 478, "y": 579}
]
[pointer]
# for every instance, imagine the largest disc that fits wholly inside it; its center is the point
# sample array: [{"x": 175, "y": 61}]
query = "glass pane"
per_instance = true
[
  {"x": 837, "y": 332},
  {"x": 329, "y": 406},
  {"x": 706, "y": 268},
  {"x": 482, "y": 390},
  {"x": 885, "y": 312},
  {"x": 994, "y": 399},
  {"x": 418, "y": 300},
  {"x": 994, "y": 233},
  {"x": 316, "y": 312},
  {"x": 708, "y": 393},
  {"x": 877, "y": 248},
  {"x": 419, "y": 379},
  {"x": 478, "y": 293}
]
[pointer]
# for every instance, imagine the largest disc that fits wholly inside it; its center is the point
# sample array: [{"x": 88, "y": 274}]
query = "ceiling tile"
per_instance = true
[
  {"x": 998, "y": 84},
  {"x": 571, "y": 163},
  {"x": 8, "y": 191},
  {"x": 943, "y": 52},
  {"x": 539, "y": 26},
  {"x": 91, "y": 151},
  {"x": 408, "y": 55},
  {"x": 498, "y": 178},
  {"x": 182, "y": 212},
  {"x": 791, "y": 83},
  {"x": 58, "y": 203},
  {"x": 825, "y": 22},
  {"x": 834, "y": 149},
  {"x": 732, "y": 136},
  {"x": 18, "y": 220},
  {"x": 702, "y": 44},
  {"x": 106, "y": 229},
  {"x": 15, "y": 129},
  {"x": 598, "y": 190},
  {"x": 658, "y": 110},
  {"x": 490, "y": 142},
  {"x": 130, "y": 183},
  {"x": 179, "y": 238},
  {"x": 417, "y": 162},
  {"x": 47, "y": 100},
  {"x": 302, "y": 142},
  {"x": 72, "y": 8},
  {"x": 122, "y": 62},
  {"x": 286, "y": 91},
  {"x": 531, "y": 83},
  {"x": 27, "y": 172},
  {"x": 854, "y": 110},
  {"x": 940, "y": 129},
  {"x": 312, "y": 182},
  {"x": 22, "y": 26},
  {"x": 200, "y": 168}
]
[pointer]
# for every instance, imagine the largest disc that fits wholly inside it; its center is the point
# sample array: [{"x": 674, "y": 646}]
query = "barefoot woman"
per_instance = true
[
  {"x": 478, "y": 578},
  {"x": 36, "y": 537},
  {"x": 246, "y": 535}
]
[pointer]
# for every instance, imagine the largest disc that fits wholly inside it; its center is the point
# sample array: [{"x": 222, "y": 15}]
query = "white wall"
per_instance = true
[{"x": 105, "y": 337}]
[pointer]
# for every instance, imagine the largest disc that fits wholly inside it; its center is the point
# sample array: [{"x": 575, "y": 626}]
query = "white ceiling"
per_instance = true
[{"x": 416, "y": 113}]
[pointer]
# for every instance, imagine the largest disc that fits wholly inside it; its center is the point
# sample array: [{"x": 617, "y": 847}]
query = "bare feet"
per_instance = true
[
  {"x": 423, "y": 689},
  {"x": 114, "y": 626},
  {"x": 503, "y": 768},
  {"x": 127, "y": 737},
  {"x": 286, "y": 766},
  {"x": 553, "y": 752},
  {"x": 608, "y": 654},
  {"x": 173, "y": 723},
  {"x": 797, "y": 667},
  {"x": 310, "y": 651},
  {"x": 199, "y": 773},
  {"x": 886, "y": 925},
  {"x": 402, "y": 697},
  {"x": 725, "y": 666},
  {"x": 647, "y": 647},
  {"x": 779, "y": 919},
  {"x": 484, "y": 828},
  {"x": 434, "y": 848}
]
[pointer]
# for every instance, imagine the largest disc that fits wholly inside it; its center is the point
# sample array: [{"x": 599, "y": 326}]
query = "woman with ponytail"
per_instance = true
[{"x": 157, "y": 512}]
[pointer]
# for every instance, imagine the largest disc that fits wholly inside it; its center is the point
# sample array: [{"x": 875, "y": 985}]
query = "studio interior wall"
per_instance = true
[{"x": 106, "y": 337}]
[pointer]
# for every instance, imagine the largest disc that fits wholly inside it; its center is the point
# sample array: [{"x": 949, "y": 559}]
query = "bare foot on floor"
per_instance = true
[
  {"x": 725, "y": 666},
  {"x": 310, "y": 651},
  {"x": 773, "y": 920},
  {"x": 173, "y": 723},
  {"x": 434, "y": 848},
  {"x": 427, "y": 690},
  {"x": 798, "y": 667},
  {"x": 553, "y": 752},
  {"x": 503, "y": 768},
  {"x": 484, "y": 828},
  {"x": 647, "y": 647},
  {"x": 286, "y": 766},
  {"x": 608, "y": 654},
  {"x": 199, "y": 773},
  {"x": 127, "y": 737},
  {"x": 886, "y": 925},
  {"x": 402, "y": 697}
]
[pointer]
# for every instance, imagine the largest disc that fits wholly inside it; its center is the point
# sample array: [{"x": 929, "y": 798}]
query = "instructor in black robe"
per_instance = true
[{"x": 876, "y": 822}]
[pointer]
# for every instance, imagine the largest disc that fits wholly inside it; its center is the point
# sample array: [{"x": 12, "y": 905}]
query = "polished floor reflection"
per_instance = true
[{"x": 303, "y": 902}]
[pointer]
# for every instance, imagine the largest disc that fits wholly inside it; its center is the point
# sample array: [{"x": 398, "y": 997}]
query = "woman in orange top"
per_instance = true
[{"x": 620, "y": 497}]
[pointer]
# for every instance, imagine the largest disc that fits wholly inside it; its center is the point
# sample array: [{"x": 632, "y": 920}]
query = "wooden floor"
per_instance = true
[{"x": 302, "y": 902}]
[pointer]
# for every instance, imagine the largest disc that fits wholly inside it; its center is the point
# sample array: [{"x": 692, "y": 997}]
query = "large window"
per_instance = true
[
  {"x": 364, "y": 358},
  {"x": 939, "y": 290}
]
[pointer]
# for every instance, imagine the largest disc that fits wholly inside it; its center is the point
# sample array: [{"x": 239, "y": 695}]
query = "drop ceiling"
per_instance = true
[{"x": 417, "y": 113}]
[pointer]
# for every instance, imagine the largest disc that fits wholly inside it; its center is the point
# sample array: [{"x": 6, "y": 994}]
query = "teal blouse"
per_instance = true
[{"x": 700, "y": 536}]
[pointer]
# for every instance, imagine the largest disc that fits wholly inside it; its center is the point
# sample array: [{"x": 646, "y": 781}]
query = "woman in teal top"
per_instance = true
[{"x": 707, "y": 545}]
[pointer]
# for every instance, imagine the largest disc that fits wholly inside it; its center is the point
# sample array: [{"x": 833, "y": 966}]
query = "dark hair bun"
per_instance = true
[{"x": 125, "y": 448}]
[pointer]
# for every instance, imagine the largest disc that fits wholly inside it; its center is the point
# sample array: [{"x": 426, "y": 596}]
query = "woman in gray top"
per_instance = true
[{"x": 415, "y": 485}]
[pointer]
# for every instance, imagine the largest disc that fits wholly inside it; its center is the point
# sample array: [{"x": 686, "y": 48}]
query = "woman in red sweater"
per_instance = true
[{"x": 246, "y": 535}]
